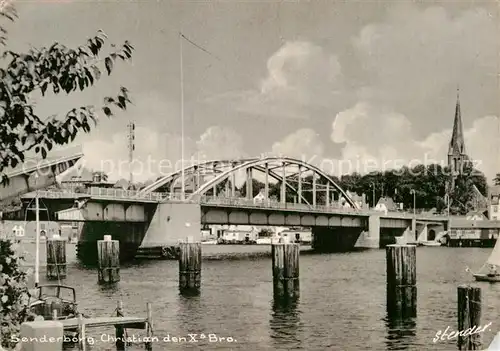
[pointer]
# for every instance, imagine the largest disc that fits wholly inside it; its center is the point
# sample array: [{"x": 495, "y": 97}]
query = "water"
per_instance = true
[{"x": 342, "y": 304}]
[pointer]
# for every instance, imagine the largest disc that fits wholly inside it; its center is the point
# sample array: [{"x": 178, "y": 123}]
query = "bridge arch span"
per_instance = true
[{"x": 282, "y": 162}]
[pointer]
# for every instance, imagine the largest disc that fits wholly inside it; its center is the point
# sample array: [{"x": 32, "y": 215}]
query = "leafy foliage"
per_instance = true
[
  {"x": 14, "y": 294},
  {"x": 55, "y": 69}
]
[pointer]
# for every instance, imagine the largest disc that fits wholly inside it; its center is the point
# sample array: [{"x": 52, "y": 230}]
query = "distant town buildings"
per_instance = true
[
  {"x": 494, "y": 203},
  {"x": 386, "y": 204}
]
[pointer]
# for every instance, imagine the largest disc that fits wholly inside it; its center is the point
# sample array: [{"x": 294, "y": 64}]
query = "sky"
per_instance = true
[{"x": 349, "y": 86}]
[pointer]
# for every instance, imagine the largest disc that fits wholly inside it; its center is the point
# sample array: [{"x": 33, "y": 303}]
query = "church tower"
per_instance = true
[{"x": 456, "y": 151}]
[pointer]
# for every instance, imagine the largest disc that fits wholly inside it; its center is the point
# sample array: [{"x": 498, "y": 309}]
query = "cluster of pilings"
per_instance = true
[
  {"x": 402, "y": 297},
  {"x": 401, "y": 279},
  {"x": 285, "y": 268},
  {"x": 108, "y": 259}
]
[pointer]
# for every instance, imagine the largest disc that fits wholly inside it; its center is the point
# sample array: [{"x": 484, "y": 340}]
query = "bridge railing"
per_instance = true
[
  {"x": 127, "y": 194},
  {"x": 242, "y": 202}
]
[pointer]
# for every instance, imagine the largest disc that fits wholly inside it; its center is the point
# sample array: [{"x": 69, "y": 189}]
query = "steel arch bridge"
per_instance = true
[{"x": 206, "y": 177}]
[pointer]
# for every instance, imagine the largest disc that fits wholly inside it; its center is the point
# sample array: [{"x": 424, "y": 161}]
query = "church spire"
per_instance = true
[{"x": 457, "y": 142}]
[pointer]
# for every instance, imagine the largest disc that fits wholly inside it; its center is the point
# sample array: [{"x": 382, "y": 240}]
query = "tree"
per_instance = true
[
  {"x": 37, "y": 72},
  {"x": 14, "y": 294}
]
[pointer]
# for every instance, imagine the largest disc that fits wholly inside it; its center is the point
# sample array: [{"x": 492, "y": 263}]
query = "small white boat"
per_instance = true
[
  {"x": 430, "y": 243},
  {"x": 209, "y": 242},
  {"x": 422, "y": 240},
  {"x": 489, "y": 271}
]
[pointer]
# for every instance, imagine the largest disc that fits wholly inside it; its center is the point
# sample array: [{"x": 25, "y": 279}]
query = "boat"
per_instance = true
[
  {"x": 54, "y": 297},
  {"x": 209, "y": 242},
  {"x": 489, "y": 270},
  {"x": 421, "y": 240},
  {"x": 430, "y": 243}
]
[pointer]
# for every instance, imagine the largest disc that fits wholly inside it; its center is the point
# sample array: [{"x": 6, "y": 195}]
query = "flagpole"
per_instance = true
[
  {"x": 183, "y": 184},
  {"x": 37, "y": 238}
]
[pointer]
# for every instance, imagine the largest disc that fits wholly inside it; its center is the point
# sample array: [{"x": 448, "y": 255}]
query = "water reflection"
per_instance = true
[
  {"x": 285, "y": 323},
  {"x": 190, "y": 314},
  {"x": 401, "y": 332}
]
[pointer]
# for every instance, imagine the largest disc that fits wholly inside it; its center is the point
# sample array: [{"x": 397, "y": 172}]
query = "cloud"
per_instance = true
[
  {"x": 375, "y": 139},
  {"x": 302, "y": 144},
  {"x": 300, "y": 76},
  {"x": 414, "y": 60},
  {"x": 220, "y": 143},
  {"x": 158, "y": 153}
]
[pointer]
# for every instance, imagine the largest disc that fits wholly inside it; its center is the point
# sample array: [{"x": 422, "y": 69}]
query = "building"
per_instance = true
[
  {"x": 360, "y": 200},
  {"x": 386, "y": 204},
  {"x": 239, "y": 235},
  {"x": 458, "y": 158},
  {"x": 296, "y": 235},
  {"x": 26, "y": 231},
  {"x": 475, "y": 216},
  {"x": 260, "y": 197},
  {"x": 494, "y": 203},
  {"x": 83, "y": 178}
]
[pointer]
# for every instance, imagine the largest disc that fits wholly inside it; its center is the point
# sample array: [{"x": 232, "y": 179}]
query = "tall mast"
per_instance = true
[
  {"x": 183, "y": 183},
  {"x": 131, "y": 148},
  {"x": 37, "y": 238}
]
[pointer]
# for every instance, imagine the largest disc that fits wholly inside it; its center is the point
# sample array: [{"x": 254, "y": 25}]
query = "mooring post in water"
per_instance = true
[
  {"x": 119, "y": 329},
  {"x": 401, "y": 281},
  {"x": 149, "y": 328},
  {"x": 108, "y": 260},
  {"x": 469, "y": 317},
  {"x": 81, "y": 334},
  {"x": 56, "y": 257},
  {"x": 285, "y": 261},
  {"x": 190, "y": 267}
]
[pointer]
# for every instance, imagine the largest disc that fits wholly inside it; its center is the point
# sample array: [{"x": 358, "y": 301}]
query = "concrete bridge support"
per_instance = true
[
  {"x": 334, "y": 239},
  {"x": 407, "y": 237},
  {"x": 171, "y": 224},
  {"x": 129, "y": 234},
  {"x": 370, "y": 239}
]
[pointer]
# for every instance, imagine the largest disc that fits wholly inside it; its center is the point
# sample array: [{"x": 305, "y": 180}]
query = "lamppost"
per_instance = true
[
  {"x": 372, "y": 185},
  {"x": 412, "y": 191},
  {"x": 447, "y": 199}
]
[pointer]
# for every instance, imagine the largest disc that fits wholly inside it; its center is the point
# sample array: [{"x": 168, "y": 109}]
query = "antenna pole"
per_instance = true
[
  {"x": 37, "y": 238},
  {"x": 183, "y": 183},
  {"x": 131, "y": 148}
]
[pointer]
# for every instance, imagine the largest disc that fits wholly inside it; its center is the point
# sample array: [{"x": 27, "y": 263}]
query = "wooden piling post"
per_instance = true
[
  {"x": 56, "y": 257},
  {"x": 81, "y": 334},
  {"x": 149, "y": 328},
  {"x": 285, "y": 261},
  {"x": 108, "y": 256},
  {"x": 119, "y": 329},
  {"x": 401, "y": 281},
  {"x": 469, "y": 317},
  {"x": 190, "y": 267}
]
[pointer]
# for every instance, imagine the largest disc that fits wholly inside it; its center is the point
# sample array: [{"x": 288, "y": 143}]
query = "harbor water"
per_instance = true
[{"x": 342, "y": 304}]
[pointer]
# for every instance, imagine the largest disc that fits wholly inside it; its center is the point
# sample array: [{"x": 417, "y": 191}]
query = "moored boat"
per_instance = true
[
  {"x": 430, "y": 243},
  {"x": 489, "y": 271}
]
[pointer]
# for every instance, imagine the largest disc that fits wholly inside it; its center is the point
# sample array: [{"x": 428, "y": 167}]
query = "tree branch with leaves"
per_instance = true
[{"x": 57, "y": 69}]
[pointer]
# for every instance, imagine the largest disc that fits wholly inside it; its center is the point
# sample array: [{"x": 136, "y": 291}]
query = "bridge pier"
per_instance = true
[
  {"x": 334, "y": 239},
  {"x": 370, "y": 239},
  {"x": 171, "y": 224},
  {"x": 128, "y": 234}
]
